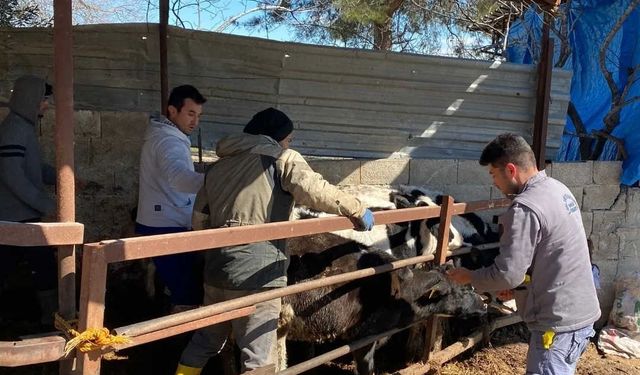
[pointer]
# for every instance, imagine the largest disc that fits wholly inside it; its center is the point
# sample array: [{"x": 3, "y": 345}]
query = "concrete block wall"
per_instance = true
[{"x": 107, "y": 147}]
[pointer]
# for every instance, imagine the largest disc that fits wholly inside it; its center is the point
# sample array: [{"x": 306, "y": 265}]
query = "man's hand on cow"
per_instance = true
[
  {"x": 364, "y": 223},
  {"x": 460, "y": 275}
]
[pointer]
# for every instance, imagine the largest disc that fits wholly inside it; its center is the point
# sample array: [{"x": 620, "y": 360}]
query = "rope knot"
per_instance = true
[{"x": 89, "y": 340}]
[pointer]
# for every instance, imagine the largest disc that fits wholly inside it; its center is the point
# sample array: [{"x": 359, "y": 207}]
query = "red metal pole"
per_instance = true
[
  {"x": 543, "y": 94},
  {"x": 164, "y": 76},
  {"x": 63, "y": 92},
  {"x": 92, "y": 299}
]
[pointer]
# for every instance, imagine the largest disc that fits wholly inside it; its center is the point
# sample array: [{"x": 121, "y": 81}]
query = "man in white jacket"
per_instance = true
[{"x": 167, "y": 190}]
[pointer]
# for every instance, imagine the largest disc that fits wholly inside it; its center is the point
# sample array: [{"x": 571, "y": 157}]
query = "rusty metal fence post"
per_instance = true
[
  {"x": 433, "y": 337},
  {"x": 92, "y": 299},
  {"x": 65, "y": 184}
]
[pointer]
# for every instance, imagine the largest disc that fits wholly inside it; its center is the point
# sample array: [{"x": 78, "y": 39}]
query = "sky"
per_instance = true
[
  {"x": 206, "y": 15},
  {"x": 213, "y": 17}
]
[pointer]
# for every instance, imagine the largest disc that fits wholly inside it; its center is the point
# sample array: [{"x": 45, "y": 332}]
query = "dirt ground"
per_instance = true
[
  {"x": 510, "y": 359},
  {"x": 507, "y": 355}
]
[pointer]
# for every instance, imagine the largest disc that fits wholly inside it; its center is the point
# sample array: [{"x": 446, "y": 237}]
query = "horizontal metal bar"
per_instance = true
[
  {"x": 459, "y": 347},
  {"x": 182, "y": 328},
  {"x": 158, "y": 245},
  {"x": 40, "y": 234},
  {"x": 468, "y": 207},
  {"x": 157, "y": 324},
  {"x": 31, "y": 351},
  {"x": 439, "y": 357},
  {"x": 218, "y": 308},
  {"x": 339, "y": 352}
]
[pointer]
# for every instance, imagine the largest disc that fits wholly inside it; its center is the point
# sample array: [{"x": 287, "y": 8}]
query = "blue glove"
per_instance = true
[{"x": 364, "y": 223}]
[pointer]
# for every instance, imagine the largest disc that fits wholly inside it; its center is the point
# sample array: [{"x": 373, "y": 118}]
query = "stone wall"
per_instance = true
[{"x": 107, "y": 150}]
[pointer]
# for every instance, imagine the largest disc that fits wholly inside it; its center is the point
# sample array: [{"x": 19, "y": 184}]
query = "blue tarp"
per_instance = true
[{"x": 589, "y": 22}]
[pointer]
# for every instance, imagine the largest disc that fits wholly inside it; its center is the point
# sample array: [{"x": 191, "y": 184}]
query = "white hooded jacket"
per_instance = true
[{"x": 168, "y": 182}]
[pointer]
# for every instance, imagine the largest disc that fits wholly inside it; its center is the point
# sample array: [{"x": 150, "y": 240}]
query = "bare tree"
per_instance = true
[
  {"x": 96, "y": 11},
  {"x": 619, "y": 96},
  {"x": 619, "y": 99},
  {"x": 399, "y": 25},
  {"x": 16, "y": 14}
]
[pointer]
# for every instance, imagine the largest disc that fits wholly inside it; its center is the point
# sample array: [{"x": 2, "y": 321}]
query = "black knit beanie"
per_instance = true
[{"x": 270, "y": 122}]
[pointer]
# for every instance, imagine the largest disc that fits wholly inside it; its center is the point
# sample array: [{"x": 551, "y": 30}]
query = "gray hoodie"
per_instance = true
[{"x": 22, "y": 194}]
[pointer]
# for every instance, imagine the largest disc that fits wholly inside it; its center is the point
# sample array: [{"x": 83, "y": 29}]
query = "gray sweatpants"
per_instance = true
[
  {"x": 255, "y": 334},
  {"x": 562, "y": 357}
]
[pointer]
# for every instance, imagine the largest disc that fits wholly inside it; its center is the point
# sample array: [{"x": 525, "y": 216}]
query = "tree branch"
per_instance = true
[{"x": 605, "y": 47}]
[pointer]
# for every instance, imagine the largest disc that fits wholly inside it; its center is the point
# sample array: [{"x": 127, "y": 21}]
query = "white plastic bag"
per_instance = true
[
  {"x": 625, "y": 313},
  {"x": 619, "y": 342},
  {"x": 622, "y": 335}
]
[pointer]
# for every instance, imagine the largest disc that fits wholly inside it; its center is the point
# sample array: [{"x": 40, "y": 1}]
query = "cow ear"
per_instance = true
[
  {"x": 398, "y": 278},
  {"x": 437, "y": 291},
  {"x": 431, "y": 295},
  {"x": 401, "y": 201},
  {"x": 405, "y": 274}
]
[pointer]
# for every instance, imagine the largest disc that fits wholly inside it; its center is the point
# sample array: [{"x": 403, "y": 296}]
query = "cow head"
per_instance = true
[
  {"x": 431, "y": 292},
  {"x": 428, "y": 292}
]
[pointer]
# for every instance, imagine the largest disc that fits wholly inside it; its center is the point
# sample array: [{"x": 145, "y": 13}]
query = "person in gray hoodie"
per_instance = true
[
  {"x": 167, "y": 190},
  {"x": 543, "y": 261},
  {"x": 23, "y": 197}
]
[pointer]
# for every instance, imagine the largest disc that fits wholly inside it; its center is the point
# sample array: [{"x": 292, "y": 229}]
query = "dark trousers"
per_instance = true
[
  {"x": 181, "y": 273},
  {"x": 40, "y": 260}
]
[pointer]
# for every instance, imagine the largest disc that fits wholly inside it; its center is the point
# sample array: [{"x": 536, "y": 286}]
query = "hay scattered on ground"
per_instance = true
[{"x": 505, "y": 357}]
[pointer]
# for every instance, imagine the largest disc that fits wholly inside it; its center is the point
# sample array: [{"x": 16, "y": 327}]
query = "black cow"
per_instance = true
[{"x": 364, "y": 307}]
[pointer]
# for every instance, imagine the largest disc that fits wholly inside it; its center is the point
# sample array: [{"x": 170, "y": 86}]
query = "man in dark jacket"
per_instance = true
[
  {"x": 23, "y": 197},
  {"x": 256, "y": 180},
  {"x": 544, "y": 259}
]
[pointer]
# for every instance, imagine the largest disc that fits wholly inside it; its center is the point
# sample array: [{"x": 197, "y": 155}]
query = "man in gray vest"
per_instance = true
[{"x": 544, "y": 259}]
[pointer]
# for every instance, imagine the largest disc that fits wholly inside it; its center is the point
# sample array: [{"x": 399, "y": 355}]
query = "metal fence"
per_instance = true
[{"x": 97, "y": 256}]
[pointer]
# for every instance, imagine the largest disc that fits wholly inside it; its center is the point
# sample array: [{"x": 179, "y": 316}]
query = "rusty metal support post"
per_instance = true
[
  {"x": 543, "y": 94},
  {"x": 92, "y": 298},
  {"x": 65, "y": 184},
  {"x": 164, "y": 66},
  {"x": 446, "y": 212}
]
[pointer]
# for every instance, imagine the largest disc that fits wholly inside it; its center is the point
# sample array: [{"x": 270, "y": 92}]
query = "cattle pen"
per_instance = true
[{"x": 97, "y": 256}]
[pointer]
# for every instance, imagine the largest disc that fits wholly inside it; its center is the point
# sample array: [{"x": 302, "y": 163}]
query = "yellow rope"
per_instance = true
[{"x": 91, "y": 339}]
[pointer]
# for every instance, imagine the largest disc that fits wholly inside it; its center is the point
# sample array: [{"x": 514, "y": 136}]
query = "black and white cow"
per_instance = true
[
  {"x": 368, "y": 306},
  {"x": 403, "y": 240},
  {"x": 468, "y": 229}
]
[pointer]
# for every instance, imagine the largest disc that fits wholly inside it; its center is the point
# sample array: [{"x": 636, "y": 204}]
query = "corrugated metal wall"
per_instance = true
[{"x": 344, "y": 102}]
